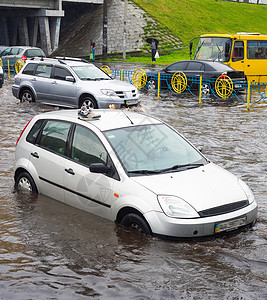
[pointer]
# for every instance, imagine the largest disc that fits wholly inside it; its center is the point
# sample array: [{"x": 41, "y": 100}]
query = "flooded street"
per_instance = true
[{"x": 49, "y": 250}]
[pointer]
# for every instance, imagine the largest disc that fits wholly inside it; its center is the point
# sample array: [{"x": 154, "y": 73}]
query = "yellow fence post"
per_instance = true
[
  {"x": 158, "y": 84},
  {"x": 200, "y": 90},
  {"x": 8, "y": 69},
  {"x": 248, "y": 95}
]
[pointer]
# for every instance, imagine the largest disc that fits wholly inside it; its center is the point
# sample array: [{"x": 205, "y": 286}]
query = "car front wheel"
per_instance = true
[
  {"x": 88, "y": 102},
  {"x": 136, "y": 223},
  {"x": 26, "y": 96},
  {"x": 25, "y": 182}
]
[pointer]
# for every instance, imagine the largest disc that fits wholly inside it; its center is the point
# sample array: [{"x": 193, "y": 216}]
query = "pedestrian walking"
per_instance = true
[
  {"x": 154, "y": 47},
  {"x": 92, "y": 50}
]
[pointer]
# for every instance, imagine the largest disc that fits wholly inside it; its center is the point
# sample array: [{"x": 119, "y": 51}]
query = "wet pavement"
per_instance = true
[{"x": 49, "y": 250}]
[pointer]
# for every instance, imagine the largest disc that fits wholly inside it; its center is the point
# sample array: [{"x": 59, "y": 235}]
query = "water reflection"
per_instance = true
[{"x": 52, "y": 251}]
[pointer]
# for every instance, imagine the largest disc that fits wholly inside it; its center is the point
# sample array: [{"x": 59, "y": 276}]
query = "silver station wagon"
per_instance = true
[
  {"x": 71, "y": 82},
  {"x": 132, "y": 169}
]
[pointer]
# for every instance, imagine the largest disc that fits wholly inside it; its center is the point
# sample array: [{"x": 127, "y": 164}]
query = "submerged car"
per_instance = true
[
  {"x": 132, "y": 169},
  {"x": 71, "y": 82},
  {"x": 193, "y": 68}
]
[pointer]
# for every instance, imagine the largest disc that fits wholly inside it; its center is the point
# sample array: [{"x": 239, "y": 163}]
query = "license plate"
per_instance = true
[
  {"x": 230, "y": 225},
  {"x": 131, "y": 102}
]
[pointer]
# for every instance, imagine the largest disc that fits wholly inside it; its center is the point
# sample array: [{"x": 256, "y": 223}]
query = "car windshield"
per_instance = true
[
  {"x": 213, "y": 48},
  {"x": 90, "y": 72},
  {"x": 153, "y": 149}
]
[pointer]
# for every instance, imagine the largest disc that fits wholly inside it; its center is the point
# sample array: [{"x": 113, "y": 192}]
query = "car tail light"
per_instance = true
[
  {"x": 23, "y": 130},
  {"x": 24, "y": 58},
  {"x": 223, "y": 76}
]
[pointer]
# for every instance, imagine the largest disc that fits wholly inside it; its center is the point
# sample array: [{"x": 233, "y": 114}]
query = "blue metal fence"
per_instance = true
[{"x": 200, "y": 87}]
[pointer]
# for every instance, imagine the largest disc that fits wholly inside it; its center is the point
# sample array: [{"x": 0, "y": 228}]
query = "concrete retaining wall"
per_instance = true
[{"x": 88, "y": 23}]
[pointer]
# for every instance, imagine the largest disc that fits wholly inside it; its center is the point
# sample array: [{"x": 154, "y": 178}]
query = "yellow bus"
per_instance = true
[{"x": 242, "y": 51}]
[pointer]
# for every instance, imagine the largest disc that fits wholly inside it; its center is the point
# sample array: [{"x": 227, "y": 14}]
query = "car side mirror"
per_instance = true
[
  {"x": 69, "y": 78},
  {"x": 99, "y": 168}
]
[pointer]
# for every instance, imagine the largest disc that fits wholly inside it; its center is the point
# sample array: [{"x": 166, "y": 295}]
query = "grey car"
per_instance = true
[
  {"x": 21, "y": 52},
  {"x": 71, "y": 82}
]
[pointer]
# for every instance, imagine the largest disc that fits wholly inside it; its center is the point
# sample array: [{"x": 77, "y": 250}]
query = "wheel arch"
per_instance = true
[
  {"x": 83, "y": 95},
  {"x": 21, "y": 170},
  {"x": 127, "y": 210},
  {"x": 26, "y": 87}
]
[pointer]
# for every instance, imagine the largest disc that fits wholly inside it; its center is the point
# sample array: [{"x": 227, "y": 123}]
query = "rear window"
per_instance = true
[
  {"x": 34, "y": 52},
  {"x": 31, "y": 137}
]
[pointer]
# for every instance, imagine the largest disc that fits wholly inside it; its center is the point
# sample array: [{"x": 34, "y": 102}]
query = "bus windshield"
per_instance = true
[{"x": 213, "y": 48}]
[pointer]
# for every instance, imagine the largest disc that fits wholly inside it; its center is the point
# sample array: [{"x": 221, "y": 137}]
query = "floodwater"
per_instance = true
[{"x": 49, "y": 250}]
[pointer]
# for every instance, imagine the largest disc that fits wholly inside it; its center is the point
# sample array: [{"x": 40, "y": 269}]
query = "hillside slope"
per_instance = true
[{"x": 187, "y": 19}]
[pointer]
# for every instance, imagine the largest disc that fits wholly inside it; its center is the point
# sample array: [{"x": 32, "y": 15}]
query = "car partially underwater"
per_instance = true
[
  {"x": 133, "y": 169},
  {"x": 193, "y": 69}
]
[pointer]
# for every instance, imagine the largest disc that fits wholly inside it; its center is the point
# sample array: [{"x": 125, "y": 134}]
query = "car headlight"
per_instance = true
[
  {"x": 176, "y": 207},
  {"x": 108, "y": 92},
  {"x": 247, "y": 190}
]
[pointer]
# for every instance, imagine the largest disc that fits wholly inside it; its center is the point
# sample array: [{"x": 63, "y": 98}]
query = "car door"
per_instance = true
[
  {"x": 171, "y": 70},
  {"x": 42, "y": 82},
  {"x": 92, "y": 192},
  {"x": 48, "y": 158},
  {"x": 63, "y": 88}
]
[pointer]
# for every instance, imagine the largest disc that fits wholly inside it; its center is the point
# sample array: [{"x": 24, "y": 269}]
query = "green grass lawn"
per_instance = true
[{"x": 187, "y": 19}]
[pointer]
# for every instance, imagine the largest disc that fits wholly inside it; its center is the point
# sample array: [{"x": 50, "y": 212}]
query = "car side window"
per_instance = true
[
  {"x": 15, "y": 51},
  {"x": 61, "y": 73},
  {"x": 29, "y": 69},
  {"x": 43, "y": 71},
  {"x": 195, "y": 66},
  {"x": 179, "y": 66},
  {"x": 87, "y": 148},
  {"x": 54, "y": 136}
]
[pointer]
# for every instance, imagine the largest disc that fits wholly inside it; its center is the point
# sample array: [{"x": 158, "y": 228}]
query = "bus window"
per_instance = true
[
  {"x": 238, "y": 52},
  {"x": 257, "y": 49}
]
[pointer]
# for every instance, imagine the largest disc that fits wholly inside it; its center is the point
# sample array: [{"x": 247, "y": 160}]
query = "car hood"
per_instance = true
[
  {"x": 203, "y": 187},
  {"x": 113, "y": 84}
]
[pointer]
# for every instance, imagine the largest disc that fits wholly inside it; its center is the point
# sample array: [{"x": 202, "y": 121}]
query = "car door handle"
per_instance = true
[
  {"x": 54, "y": 82},
  {"x": 35, "y": 154},
  {"x": 70, "y": 171},
  {"x": 34, "y": 79}
]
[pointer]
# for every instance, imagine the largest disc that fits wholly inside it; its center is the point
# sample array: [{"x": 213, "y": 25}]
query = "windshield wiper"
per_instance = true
[
  {"x": 187, "y": 166},
  {"x": 144, "y": 172}
]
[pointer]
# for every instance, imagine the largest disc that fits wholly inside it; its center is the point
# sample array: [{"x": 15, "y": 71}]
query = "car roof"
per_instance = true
[
  {"x": 60, "y": 60},
  {"x": 110, "y": 118},
  {"x": 23, "y": 47},
  {"x": 213, "y": 64}
]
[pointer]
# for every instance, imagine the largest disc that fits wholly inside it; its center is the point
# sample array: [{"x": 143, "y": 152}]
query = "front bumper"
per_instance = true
[
  {"x": 161, "y": 224},
  {"x": 117, "y": 102}
]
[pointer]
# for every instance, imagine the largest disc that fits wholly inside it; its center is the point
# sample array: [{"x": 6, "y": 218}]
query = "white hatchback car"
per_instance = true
[{"x": 132, "y": 169}]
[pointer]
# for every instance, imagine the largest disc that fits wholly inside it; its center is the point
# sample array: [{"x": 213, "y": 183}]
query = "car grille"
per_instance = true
[
  {"x": 223, "y": 209},
  {"x": 126, "y": 95}
]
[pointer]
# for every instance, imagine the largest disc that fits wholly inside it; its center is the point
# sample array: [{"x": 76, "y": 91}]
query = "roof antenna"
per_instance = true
[{"x": 128, "y": 117}]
